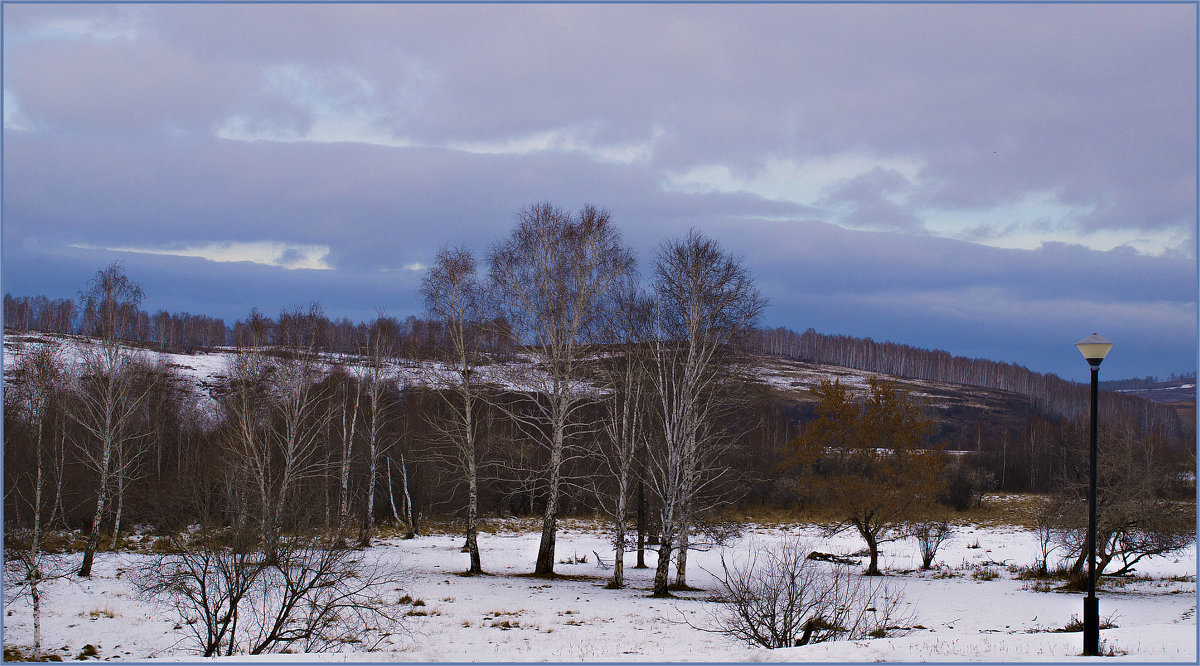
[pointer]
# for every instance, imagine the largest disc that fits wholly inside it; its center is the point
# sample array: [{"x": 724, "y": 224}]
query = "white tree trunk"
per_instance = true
[{"x": 349, "y": 425}]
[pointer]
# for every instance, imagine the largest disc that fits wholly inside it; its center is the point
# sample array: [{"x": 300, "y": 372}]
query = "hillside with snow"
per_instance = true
[{"x": 203, "y": 370}]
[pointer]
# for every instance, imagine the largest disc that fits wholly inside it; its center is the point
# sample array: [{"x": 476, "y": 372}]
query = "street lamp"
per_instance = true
[{"x": 1094, "y": 348}]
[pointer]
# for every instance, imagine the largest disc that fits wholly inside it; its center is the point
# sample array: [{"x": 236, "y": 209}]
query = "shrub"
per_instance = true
[
  {"x": 1076, "y": 625},
  {"x": 930, "y": 534},
  {"x": 780, "y": 598},
  {"x": 310, "y": 596},
  {"x": 965, "y": 486}
]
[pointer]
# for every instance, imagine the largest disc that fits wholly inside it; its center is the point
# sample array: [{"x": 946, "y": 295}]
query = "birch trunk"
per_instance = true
[
  {"x": 681, "y": 560},
  {"x": 369, "y": 518},
  {"x": 545, "y": 558},
  {"x": 57, "y": 511},
  {"x": 641, "y": 527},
  {"x": 410, "y": 514},
  {"x": 392, "y": 494},
  {"x": 35, "y": 554},
  {"x": 472, "y": 518},
  {"x": 662, "y": 570},
  {"x": 349, "y": 425},
  {"x": 375, "y": 425},
  {"x": 116, "y": 530},
  {"x": 618, "y": 577},
  {"x": 89, "y": 553}
]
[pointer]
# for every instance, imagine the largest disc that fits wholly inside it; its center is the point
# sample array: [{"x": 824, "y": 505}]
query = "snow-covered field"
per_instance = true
[{"x": 509, "y": 616}]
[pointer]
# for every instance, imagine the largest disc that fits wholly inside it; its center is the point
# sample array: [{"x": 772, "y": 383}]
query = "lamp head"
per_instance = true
[{"x": 1094, "y": 348}]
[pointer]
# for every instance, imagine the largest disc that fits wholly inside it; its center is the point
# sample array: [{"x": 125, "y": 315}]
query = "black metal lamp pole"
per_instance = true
[
  {"x": 1091, "y": 605},
  {"x": 1094, "y": 348}
]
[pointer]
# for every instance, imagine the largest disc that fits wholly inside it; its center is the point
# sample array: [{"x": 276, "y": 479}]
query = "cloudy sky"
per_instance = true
[{"x": 994, "y": 180}]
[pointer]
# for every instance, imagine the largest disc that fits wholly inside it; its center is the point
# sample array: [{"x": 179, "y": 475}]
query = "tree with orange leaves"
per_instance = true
[{"x": 868, "y": 463}]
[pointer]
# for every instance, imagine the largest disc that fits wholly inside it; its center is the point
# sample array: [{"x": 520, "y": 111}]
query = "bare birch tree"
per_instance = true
[
  {"x": 294, "y": 440},
  {"x": 244, "y": 399},
  {"x": 273, "y": 424},
  {"x": 625, "y": 404},
  {"x": 553, "y": 279},
  {"x": 705, "y": 305},
  {"x": 348, "y": 396},
  {"x": 378, "y": 351},
  {"x": 456, "y": 301},
  {"x": 32, "y": 387},
  {"x": 108, "y": 396}
]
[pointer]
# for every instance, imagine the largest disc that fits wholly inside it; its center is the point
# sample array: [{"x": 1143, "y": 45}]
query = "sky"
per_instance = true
[{"x": 998, "y": 181}]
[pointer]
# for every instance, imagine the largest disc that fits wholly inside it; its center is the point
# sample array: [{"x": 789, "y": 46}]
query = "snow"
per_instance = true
[
  {"x": 571, "y": 619},
  {"x": 206, "y": 369}
]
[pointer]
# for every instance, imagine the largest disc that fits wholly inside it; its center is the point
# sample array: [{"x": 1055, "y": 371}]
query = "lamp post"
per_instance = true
[{"x": 1094, "y": 348}]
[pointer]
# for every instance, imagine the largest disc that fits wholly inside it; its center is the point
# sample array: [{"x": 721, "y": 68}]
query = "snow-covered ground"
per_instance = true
[
  {"x": 509, "y": 616},
  {"x": 203, "y": 370}
]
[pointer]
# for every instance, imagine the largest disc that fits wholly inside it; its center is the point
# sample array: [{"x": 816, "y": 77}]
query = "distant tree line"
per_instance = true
[
  {"x": 1048, "y": 394},
  {"x": 166, "y": 331},
  {"x": 415, "y": 336},
  {"x": 1147, "y": 382}
]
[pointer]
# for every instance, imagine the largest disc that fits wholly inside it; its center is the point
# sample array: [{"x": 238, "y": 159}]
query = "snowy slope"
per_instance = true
[{"x": 205, "y": 369}]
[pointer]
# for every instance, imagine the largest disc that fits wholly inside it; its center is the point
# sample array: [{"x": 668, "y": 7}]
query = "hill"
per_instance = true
[
  {"x": 1177, "y": 391},
  {"x": 956, "y": 407}
]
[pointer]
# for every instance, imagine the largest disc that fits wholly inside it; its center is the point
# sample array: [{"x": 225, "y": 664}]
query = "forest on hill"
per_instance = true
[{"x": 1141, "y": 399}]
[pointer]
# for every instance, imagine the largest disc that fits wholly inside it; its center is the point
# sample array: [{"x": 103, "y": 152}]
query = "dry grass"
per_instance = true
[
  {"x": 1005, "y": 509},
  {"x": 509, "y": 620},
  {"x": 1000, "y": 509},
  {"x": 97, "y": 613}
]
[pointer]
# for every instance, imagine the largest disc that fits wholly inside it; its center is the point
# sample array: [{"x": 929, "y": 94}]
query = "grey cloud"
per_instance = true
[
  {"x": 124, "y": 86},
  {"x": 1010, "y": 305},
  {"x": 375, "y": 207},
  {"x": 1092, "y": 106},
  {"x": 867, "y": 196},
  {"x": 839, "y": 263},
  {"x": 995, "y": 99}
]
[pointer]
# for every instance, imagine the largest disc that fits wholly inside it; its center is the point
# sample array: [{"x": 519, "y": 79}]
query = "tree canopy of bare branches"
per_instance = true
[
  {"x": 705, "y": 304},
  {"x": 456, "y": 300},
  {"x": 108, "y": 393},
  {"x": 553, "y": 280},
  {"x": 1142, "y": 510}
]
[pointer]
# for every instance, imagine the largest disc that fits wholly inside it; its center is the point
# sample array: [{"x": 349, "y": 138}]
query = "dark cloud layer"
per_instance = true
[{"x": 384, "y": 131}]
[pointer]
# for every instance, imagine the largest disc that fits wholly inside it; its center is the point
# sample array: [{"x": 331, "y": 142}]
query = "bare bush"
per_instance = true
[
  {"x": 930, "y": 533},
  {"x": 780, "y": 598},
  {"x": 1045, "y": 529},
  {"x": 311, "y": 596}
]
